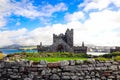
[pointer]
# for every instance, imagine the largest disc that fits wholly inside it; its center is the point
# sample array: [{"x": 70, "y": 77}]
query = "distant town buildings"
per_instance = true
[
  {"x": 115, "y": 50},
  {"x": 103, "y": 49},
  {"x": 63, "y": 43}
]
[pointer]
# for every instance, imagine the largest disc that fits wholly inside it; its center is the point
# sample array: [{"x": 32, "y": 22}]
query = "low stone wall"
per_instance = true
[{"x": 64, "y": 70}]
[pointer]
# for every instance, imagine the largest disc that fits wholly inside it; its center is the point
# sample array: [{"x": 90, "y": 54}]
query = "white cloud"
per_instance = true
[
  {"x": 48, "y": 10},
  {"x": 98, "y": 4},
  {"x": 116, "y": 2},
  {"x": 74, "y": 17},
  {"x": 98, "y": 30},
  {"x": 4, "y": 12},
  {"x": 2, "y": 22},
  {"x": 27, "y": 9},
  {"x": 18, "y": 24},
  {"x": 8, "y": 37},
  {"x": 102, "y": 28}
]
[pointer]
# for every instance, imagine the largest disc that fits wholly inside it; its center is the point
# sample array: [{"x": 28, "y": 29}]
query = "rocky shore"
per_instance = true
[{"x": 64, "y": 70}]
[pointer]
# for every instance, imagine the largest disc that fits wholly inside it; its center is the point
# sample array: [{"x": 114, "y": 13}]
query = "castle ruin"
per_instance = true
[{"x": 63, "y": 43}]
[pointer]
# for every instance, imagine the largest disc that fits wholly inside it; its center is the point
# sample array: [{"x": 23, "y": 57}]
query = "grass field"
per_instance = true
[{"x": 50, "y": 59}]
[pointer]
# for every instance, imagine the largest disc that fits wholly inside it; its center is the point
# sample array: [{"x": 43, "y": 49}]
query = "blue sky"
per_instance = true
[{"x": 29, "y": 22}]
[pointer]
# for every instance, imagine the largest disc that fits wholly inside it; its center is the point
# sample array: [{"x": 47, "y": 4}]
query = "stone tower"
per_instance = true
[
  {"x": 69, "y": 37},
  {"x": 63, "y": 42},
  {"x": 82, "y": 44}
]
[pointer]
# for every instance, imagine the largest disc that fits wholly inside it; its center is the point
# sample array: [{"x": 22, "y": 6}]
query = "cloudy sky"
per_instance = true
[{"x": 29, "y": 22}]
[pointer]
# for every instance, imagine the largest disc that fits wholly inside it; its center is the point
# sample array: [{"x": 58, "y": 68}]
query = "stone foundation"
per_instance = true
[{"x": 64, "y": 70}]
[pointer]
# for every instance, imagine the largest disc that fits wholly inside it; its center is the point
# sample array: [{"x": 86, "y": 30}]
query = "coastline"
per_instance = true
[{"x": 12, "y": 51}]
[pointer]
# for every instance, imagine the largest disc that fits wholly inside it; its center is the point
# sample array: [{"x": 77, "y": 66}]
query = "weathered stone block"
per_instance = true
[
  {"x": 107, "y": 73},
  {"x": 78, "y": 62},
  {"x": 74, "y": 77},
  {"x": 69, "y": 68},
  {"x": 28, "y": 79},
  {"x": 113, "y": 67},
  {"x": 71, "y": 62},
  {"x": 41, "y": 66},
  {"x": 56, "y": 70},
  {"x": 53, "y": 65},
  {"x": 43, "y": 62},
  {"x": 118, "y": 76},
  {"x": 65, "y": 77},
  {"x": 66, "y": 74},
  {"x": 87, "y": 77},
  {"x": 46, "y": 72},
  {"x": 64, "y": 63},
  {"x": 81, "y": 78},
  {"x": 54, "y": 77},
  {"x": 107, "y": 64},
  {"x": 104, "y": 68}
]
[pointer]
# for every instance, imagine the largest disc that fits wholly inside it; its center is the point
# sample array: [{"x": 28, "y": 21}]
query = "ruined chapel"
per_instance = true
[{"x": 63, "y": 43}]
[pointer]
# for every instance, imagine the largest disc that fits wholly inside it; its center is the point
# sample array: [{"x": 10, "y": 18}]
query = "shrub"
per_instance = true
[
  {"x": 101, "y": 59},
  {"x": 111, "y": 55},
  {"x": 117, "y": 58},
  {"x": 2, "y": 56}
]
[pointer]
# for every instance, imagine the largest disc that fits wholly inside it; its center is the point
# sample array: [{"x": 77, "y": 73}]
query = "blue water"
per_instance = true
[{"x": 11, "y": 51}]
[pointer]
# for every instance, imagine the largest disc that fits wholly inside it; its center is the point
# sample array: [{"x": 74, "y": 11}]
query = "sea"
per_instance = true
[
  {"x": 11, "y": 51},
  {"x": 97, "y": 53}
]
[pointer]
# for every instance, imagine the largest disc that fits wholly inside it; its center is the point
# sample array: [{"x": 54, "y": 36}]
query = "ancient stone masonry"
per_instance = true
[
  {"x": 63, "y": 43},
  {"x": 64, "y": 70}
]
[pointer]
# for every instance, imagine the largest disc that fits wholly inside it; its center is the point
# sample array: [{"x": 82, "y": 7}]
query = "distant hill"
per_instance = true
[
  {"x": 13, "y": 46},
  {"x": 17, "y": 46}
]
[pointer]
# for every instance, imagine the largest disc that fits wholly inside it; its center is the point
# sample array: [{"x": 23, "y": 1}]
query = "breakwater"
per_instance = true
[{"x": 64, "y": 70}]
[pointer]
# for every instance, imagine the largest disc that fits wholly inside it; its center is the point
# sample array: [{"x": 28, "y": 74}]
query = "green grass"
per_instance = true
[
  {"x": 103, "y": 59},
  {"x": 50, "y": 59}
]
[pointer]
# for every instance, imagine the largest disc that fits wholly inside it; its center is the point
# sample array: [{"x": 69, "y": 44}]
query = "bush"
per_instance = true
[
  {"x": 102, "y": 59},
  {"x": 111, "y": 55},
  {"x": 2, "y": 56},
  {"x": 117, "y": 58}
]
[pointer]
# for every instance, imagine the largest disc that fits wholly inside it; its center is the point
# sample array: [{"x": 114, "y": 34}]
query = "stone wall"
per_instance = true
[{"x": 64, "y": 70}]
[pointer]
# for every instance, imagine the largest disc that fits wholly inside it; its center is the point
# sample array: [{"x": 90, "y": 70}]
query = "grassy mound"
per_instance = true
[{"x": 50, "y": 57}]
